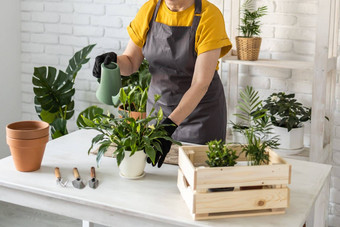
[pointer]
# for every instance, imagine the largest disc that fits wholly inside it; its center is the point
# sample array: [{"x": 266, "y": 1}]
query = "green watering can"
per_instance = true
[{"x": 110, "y": 84}]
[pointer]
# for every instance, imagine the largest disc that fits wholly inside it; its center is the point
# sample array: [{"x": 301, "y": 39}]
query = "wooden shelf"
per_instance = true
[
  {"x": 303, "y": 155},
  {"x": 288, "y": 64}
]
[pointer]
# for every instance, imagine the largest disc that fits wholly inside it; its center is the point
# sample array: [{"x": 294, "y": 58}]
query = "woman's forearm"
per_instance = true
[
  {"x": 204, "y": 72},
  {"x": 189, "y": 102},
  {"x": 130, "y": 60}
]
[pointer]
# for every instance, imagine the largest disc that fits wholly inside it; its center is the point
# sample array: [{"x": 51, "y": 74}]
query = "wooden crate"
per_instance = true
[{"x": 196, "y": 179}]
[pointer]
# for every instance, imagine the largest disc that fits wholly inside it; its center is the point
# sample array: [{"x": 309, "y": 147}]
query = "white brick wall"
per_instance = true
[{"x": 52, "y": 31}]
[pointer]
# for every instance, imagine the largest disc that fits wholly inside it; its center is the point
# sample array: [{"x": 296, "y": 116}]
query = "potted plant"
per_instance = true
[
  {"x": 220, "y": 155},
  {"x": 248, "y": 44},
  {"x": 250, "y": 112},
  {"x": 54, "y": 91},
  {"x": 134, "y": 139},
  {"x": 134, "y": 92},
  {"x": 287, "y": 115}
]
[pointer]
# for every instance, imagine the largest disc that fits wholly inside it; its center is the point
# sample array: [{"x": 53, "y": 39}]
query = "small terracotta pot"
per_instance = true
[
  {"x": 27, "y": 154},
  {"x": 133, "y": 114},
  {"x": 27, "y": 130}
]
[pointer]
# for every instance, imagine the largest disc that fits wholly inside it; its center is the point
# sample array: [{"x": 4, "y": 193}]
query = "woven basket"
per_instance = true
[{"x": 248, "y": 49}]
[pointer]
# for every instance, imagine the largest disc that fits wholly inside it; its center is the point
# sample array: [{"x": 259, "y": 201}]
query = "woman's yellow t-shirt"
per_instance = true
[{"x": 210, "y": 32}]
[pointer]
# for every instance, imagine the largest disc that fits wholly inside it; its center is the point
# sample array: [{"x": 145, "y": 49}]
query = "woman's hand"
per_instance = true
[{"x": 106, "y": 58}]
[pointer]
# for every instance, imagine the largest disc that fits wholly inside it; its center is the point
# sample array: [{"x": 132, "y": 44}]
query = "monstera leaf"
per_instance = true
[
  {"x": 89, "y": 113},
  {"x": 77, "y": 61},
  {"x": 54, "y": 91}
]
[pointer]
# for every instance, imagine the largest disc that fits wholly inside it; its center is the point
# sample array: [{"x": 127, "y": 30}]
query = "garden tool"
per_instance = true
[
  {"x": 60, "y": 180},
  {"x": 77, "y": 183},
  {"x": 93, "y": 183}
]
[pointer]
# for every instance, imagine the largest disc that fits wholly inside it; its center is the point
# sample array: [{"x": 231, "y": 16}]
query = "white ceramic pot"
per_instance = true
[
  {"x": 238, "y": 137},
  {"x": 132, "y": 167},
  {"x": 290, "y": 140}
]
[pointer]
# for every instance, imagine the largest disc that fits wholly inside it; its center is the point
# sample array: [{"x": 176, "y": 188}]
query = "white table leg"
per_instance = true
[
  {"x": 319, "y": 213},
  {"x": 87, "y": 224}
]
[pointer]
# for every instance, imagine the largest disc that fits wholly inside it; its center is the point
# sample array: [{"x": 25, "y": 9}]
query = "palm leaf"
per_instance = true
[{"x": 76, "y": 62}]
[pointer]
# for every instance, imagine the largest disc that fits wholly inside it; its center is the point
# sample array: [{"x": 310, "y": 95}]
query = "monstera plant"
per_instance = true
[{"x": 54, "y": 90}]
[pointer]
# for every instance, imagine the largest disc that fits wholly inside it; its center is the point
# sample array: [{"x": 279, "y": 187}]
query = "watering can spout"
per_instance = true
[{"x": 110, "y": 83}]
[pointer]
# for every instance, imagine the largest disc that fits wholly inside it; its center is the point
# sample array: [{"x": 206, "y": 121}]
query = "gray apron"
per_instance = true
[{"x": 170, "y": 51}]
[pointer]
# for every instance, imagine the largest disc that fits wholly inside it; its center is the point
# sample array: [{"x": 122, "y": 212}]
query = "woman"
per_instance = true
[{"x": 182, "y": 41}]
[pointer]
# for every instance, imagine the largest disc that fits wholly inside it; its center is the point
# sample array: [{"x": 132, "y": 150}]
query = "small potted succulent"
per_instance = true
[
  {"x": 220, "y": 155},
  {"x": 135, "y": 140},
  {"x": 248, "y": 44},
  {"x": 287, "y": 115}
]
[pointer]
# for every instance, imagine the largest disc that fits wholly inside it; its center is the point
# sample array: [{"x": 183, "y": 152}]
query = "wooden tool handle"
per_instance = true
[
  {"x": 57, "y": 172},
  {"x": 76, "y": 173},
  {"x": 93, "y": 172}
]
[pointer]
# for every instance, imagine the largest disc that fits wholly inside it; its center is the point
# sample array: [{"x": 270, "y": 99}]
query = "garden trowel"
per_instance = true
[
  {"x": 77, "y": 183},
  {"x": 60, "y": 181},
  {"x": 93, "y": 183}
]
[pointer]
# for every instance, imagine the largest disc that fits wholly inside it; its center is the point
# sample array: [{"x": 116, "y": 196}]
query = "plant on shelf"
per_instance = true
[
  {"x": 288, "y": 115},
  {"x": 131, "y": 137},
  {"x": 220, "y": 155},
  {"x": 258, "y": 133},
  {"x": 54, "y": 91},
  {"x": 285, "y": 111},
  {"x": 248, "y": 44}
]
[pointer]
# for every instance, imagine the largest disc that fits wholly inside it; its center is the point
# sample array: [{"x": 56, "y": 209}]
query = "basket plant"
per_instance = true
[
  {"x": 131, "y": 137},
  {"x": 288, "y": 115},
  {"x": 248, "y": 43}
]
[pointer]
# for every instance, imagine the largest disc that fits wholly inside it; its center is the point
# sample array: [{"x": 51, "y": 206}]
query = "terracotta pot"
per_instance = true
[
  {"x": 133, "y": 114},
  {"x": 27, "y": 130},
  {"x": 27, "y": 154}
]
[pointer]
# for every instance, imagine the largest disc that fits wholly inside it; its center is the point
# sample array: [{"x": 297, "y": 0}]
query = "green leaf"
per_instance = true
[
  {"x": 102, "y": 150},
  {"x": 89, "y": 113},
  {"x": 58, "y": 128},
  {"x": 87, "y": 122},
  {"x": 95, "y": 140},
  {"x": 48, "y": 116},
  {"x": 160, "y": 114},
  {"x": 151, "y": 153},
  {"x": 76, "y": 62}
]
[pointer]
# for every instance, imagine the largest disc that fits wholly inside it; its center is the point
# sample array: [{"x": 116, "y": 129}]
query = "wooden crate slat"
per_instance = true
[
  {"x": 187, "y": 167},
  {"x": 241, "y": 200},
  {"x": 237, "y": 214},
  {"x": 242, "y": 176}
]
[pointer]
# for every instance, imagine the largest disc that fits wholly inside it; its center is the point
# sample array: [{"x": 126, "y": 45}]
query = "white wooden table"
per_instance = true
[{"x": 151, "y": 201}]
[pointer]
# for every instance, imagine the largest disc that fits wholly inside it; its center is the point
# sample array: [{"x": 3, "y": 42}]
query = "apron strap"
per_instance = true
[
  {"x": 155, "y": 12},
  {"x": 197, "y": 17}
]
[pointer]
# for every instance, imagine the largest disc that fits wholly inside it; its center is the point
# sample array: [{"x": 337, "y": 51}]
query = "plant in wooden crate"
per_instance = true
[
  {"x": 248, "y": 45},
  {"x": 54, "y": 92},
  {"x": 288, "y": 116},
  {"x": 258, "y": 131},
  {"x": 249, "y": 113},
  {"x": 134, "y": 139},
  {"x": 220, "y": 155}
]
